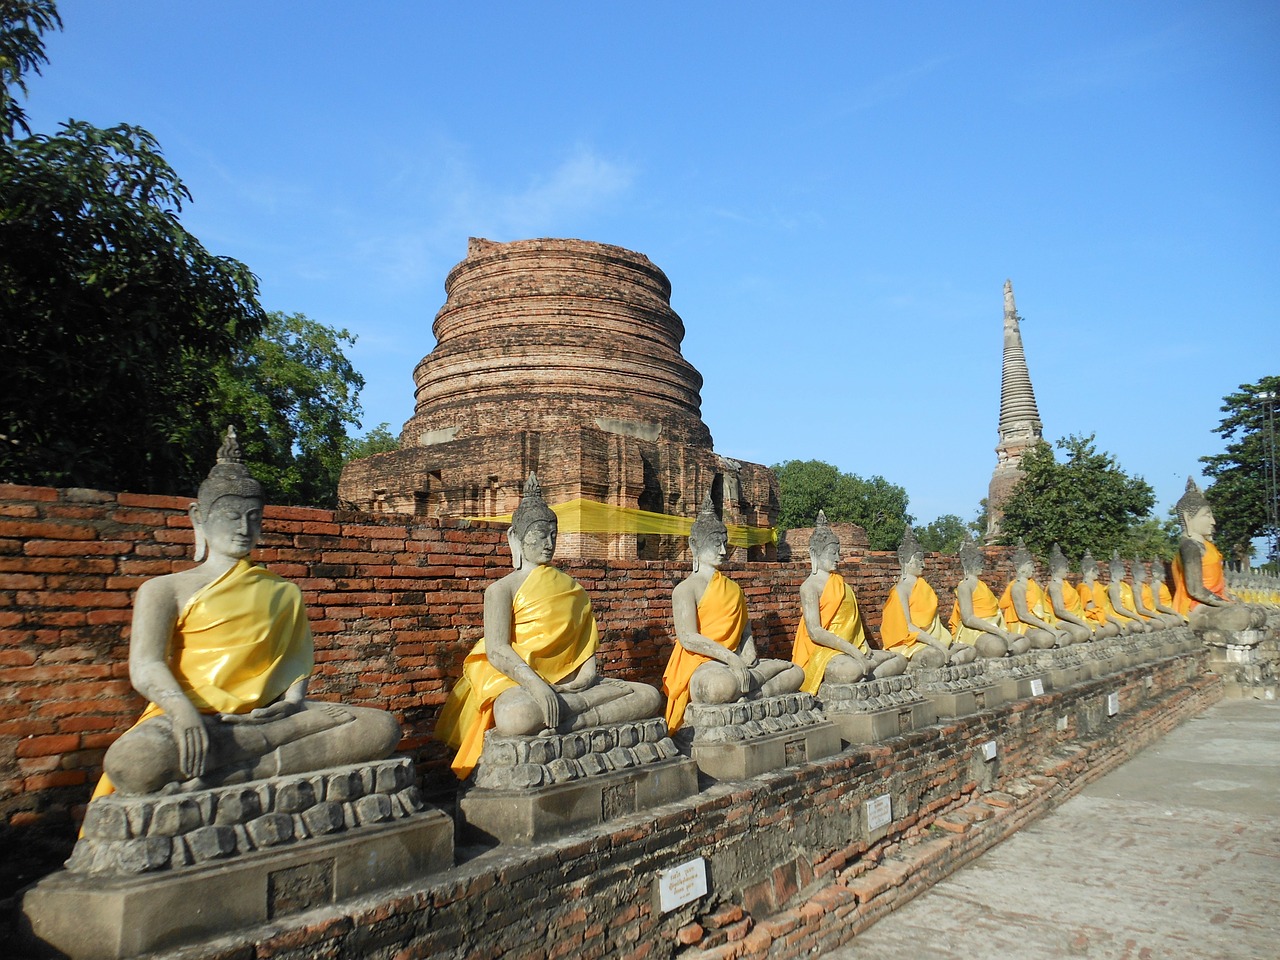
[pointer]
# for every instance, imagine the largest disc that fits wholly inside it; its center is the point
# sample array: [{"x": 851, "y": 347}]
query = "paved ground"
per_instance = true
[{"x": 1174, "y": 855}]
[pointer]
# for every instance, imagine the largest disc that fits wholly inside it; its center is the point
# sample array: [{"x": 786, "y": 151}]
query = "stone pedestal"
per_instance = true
[
  {"x": 153, "y": 873},
  {"x": 530, "y": 789},
  {"x": 876, "y": 710},
  {"x": 1245, "y": 669},
  {"x": 735, "y": 741},
  {"x": 1063, "y": 666},
  {"x": 959, "y": 690},
  {"x": 1019, "y": 676}
]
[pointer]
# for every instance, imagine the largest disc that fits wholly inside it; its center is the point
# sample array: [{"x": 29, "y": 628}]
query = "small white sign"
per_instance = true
[
  {"x": 1113, "y": 704},
  {"x": 1268, "y": 694},
  {"x": 1062, "y": 723},
  {"x": 879, "y": 812},
  {"x": 989, "y": 750},
  {"x": 1037, "y": 687},
  {"x": 682, "y": 884}
]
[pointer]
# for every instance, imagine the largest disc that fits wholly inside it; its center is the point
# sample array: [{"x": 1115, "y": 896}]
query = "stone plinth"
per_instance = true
[
  {"x": 876, "y": 710},
  {"x": 735, "y": 741},
  {"x": 960, "y": 689},
  {"x": 152, "y": 873},
  {"x": 530, "y": 789},
  {"x": 1245, "y": 668},
  {"x": 1019, "y": 676}
]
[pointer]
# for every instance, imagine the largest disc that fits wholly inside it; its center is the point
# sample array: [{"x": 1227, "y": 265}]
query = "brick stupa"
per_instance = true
[{"x": 560, "y": 356}]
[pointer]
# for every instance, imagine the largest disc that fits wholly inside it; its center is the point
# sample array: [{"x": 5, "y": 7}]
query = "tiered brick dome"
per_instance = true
[{"x": 547, "y": 335}]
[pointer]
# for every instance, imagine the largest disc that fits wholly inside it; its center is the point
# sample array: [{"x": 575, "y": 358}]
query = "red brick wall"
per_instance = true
[{"x": 395, "y": 603}]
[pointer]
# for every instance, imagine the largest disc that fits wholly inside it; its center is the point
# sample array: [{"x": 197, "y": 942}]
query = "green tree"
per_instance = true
[
  {"x": 1242, "y": 480},
  {"x": 1153, "y": 538},
  {"x": 943, "y": 535},
  {"x": 22, "y": 27},
  {"x": 378, "y": 440},
  {"x": 875, "y": 504},
  {"x": 114, "y": 316},
  {"x": 1086, "y": 502},
  {"x": 292, "y": 393}
]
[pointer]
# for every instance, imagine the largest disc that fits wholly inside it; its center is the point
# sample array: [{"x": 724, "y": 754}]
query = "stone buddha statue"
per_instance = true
[
  {"x": 535, "y": 668},
  {"x": 831, "y": 641},
  {"x": 1064, "y": 599},
  {"x": 1199, "y": 587},
  {"x": 1161, "y": 598},
  {"x": 1093, "y": 597},
  {"x": 1120, "y": 594},
  {"x": 1144, "y": 597},
  {"x": 223, "y": 652},
  {"x": 1025, "y": 607},
  {"x": 910, "y": 624},
  {"x": 976, "y": 619},
  {"x": 714, "y": 659}
]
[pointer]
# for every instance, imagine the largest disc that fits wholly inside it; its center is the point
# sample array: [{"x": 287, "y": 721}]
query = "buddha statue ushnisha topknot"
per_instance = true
[
  {"x": 714, "y": 659},
  {"x": 535, "y": 669},
  {"x": 223, "y": 652},
  {"x": 831, "y": 642}
]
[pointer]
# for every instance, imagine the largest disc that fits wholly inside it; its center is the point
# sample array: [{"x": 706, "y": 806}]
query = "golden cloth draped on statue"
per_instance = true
[
  {"x": 1126, "y": 597},
  {"x": 985, "y": 607},
  {"x": 1037, "y": 606},
  {"x": 838, "y": 612},
  {"x": 722, "y": 617},
  {"x": 1073, "y": 601},
  {"x": 553, "y": 631},
  {"x": 1098, "y": 612},
  {"x": 1215, "y": 580},
  {"x": 895, "y": 632},
  {"x": 239, "y": 643}
]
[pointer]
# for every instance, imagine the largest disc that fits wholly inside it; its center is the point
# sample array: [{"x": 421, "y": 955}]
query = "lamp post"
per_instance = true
[{"x": 1271, "y": 479}]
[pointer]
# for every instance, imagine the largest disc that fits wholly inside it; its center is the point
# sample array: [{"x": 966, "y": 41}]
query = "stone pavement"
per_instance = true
[{"x": 1176, "y": 854}]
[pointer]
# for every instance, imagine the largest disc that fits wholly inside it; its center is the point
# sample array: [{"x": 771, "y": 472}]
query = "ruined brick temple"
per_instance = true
[{"x": 560, "y": 356}]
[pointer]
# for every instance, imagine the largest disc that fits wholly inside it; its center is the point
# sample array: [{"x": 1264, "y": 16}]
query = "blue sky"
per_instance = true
[{"x": 836, "y": 191}]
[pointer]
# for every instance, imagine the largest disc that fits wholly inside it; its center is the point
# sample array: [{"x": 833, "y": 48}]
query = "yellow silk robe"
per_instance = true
[
  {"x": 239, "y": 643},
  {"x": 1036, "y": 605},
  {"x": 1072, "y": 600},
  {"x": 985, "y": 607},
  {"x": 722, "y": 617},
  {"x": 553, "y": 631},
  {"x": 1097, "y": 613},
  {"x": 838, "y": 612},
  {"x": 895, "y": 633},
  {"x": 1126, "y": 597},
  {"x": 1211, "y": 572}
]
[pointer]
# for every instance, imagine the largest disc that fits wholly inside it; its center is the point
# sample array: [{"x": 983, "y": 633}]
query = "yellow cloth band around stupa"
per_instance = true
[{"x": 590, "y": 516}]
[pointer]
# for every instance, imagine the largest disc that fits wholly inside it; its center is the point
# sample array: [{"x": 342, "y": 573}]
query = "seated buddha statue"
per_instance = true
[
  {"x": 714, "y": 659},
  {"x": 831, "y": 642},
  {"x": 1093, "y": 597},
  {"x": 223, "y": 652},
  {"x": 1199, "y": 588},
  {"x": 535, "y": 668},
  {"x": 1144, "y": 597},
  {"x": 1120, "y": 594},
  {"x": 1161, "y": 598},
  {"x": 976, "y": 619},
  {"x": 1064, "y": 599},
  {"x": 910, "y": 624},
  {"x": 1025, "y": 607}
]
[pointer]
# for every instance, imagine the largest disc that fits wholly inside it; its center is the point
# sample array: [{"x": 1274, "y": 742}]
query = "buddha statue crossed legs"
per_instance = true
[
  {"x": 1064, "y": 599},
  {"x": 714, "y": 659},
  {"x": 1025, "y": 607},
  {"x": 535, "y": 668},
  {"x": 223, "y": 652},
  {"x": 910, "y": 624},
  {"x": 1093, "y": 597},
  {"x": 1120, "y": 594},
  {"x": 831, "y": 642},
  {"x": 1144, "y": 598}
]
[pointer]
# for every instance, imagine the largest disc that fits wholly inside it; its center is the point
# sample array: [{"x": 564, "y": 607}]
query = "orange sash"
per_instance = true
[{"x": 722, "y": 617}]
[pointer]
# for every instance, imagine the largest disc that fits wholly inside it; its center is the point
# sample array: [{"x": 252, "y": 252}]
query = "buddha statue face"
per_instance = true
[
  {"x": 538, "y": 544},
  {"x": 1025, "y": 570},
  {"x": 231, "y": 525},
  {"x": 1200, "y": 524},
  {"x": 826, "y": 557},
  {"x": 710, "y": 549},
  {"x": 914, "y": 565}
]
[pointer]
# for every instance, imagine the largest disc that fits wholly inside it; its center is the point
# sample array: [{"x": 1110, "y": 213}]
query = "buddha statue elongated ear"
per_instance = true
[{"x": 228, "y": 477}]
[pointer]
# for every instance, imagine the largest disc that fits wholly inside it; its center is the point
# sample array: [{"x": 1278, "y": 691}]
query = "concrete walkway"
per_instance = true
[{"x": 1174, "y": 855}]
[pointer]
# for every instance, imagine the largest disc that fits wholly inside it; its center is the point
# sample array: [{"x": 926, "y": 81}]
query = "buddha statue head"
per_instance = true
[
  {"x": 824, "y": 546},
  {"x": 1137, "y": 571},
  {"x": 1194, "y": 513},
  {"x": 910, "y": 553},
  {"x": 534, "y": 527},
  {"x": 1088, "y": 567},
  {"x": 1058, "y": 565},
  {"x": 1024, "y": 564},
  {"x": 972, "y": 560},
  {"x": 228, "y": 508},
  {"x": 708, "y": 537},
  {"x": 1117, "y": 569}
]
